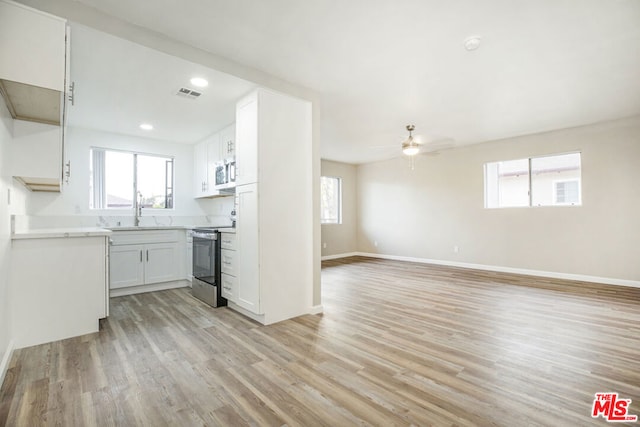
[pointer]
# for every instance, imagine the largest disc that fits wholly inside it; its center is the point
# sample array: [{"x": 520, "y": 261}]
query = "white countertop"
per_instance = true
[
  {"x": 151, "y": 227},
  {"x": 54, "y": 233},
  {"x": 226, "y": 229},
  {"x": 51, "y": 233},
  {"x": 223, "y": 229}
]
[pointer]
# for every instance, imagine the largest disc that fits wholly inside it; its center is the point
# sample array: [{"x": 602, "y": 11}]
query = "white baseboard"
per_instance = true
[
  {"x": 336, "y": 256},
  {"x": 316, "y": 309},
  {"x": 501, "y": 269},
  {"x": 4, "y": 364},
  {"x": 148, "y": 288}
]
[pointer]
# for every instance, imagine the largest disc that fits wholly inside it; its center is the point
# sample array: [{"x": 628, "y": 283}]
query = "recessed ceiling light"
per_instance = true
[
  {"x": 472, "y": 43},
  {"x": 199, "y": 82},
  {"x": 146, "y": 126}
]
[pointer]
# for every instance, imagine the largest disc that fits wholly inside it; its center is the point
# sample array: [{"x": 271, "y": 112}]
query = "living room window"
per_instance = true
[
  {"x": 118, "y": 177},
  {"x": 537, "y": 181},
  {"x": 330, "y": 200}
]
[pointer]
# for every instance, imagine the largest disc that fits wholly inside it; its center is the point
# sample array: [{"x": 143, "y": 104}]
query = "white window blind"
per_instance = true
[{"x": 330, "y": 200}]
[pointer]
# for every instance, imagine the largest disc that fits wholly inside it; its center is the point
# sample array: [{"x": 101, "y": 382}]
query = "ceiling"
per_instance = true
[
  {"x": 381, "y": 64},
  {"x": 127, "y": 84}
]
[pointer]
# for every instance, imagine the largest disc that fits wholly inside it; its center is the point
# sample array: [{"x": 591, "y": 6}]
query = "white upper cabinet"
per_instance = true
[
  {"x": 34, "y": 76},
  {"x": 228, "y": 142},
  {"x": 247, "y": 140},
  {"x": 36, "y": 155},
  {"x": 200, "y": 175},
  {"x": 32, "y": 62},
  {"x": 207, "y": 154},
  {"x": 213, "y": 157}
]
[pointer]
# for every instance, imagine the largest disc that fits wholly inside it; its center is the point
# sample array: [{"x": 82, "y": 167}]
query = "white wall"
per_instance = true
[
  {"x": 341, "y": 238},
  {"x": 16, "y": 206},
  {"x": 424, "y": 213},
  {"x": 5, "y": 241},
  {"x": 74, "y": 199}
]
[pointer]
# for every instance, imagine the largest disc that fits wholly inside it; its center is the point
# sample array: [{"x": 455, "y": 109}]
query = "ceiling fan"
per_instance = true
[{"x": 412, "y": 145}]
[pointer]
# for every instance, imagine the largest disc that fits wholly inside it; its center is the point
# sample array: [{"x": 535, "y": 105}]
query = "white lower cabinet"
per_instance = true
[
  {"x": 248, "y": 244},
  {"x": 188, "y": 261},
  {"x": 126, "y": 267},
  {"x": 229, "y": 267},
  {"x": 161, "y": 263},
  {"x": 146, "y": 257},
  {"x": 230, "y": 287},
  {"x": 58, "y": 288}
]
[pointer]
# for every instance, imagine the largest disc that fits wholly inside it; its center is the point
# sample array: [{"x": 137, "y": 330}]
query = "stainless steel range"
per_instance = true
[{"x": 206, "y": 284}]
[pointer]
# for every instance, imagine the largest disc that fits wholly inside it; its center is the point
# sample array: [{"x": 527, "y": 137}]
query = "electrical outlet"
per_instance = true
[
  {"x": 324, "y": 246},
  {"x": 456, "y": 249},
  {"x": 375, "y": 243}
]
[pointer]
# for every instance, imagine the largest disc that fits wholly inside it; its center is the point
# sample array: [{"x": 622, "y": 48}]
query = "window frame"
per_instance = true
[
  {"x": 338, "y": 220},
  {"x": 530, "y": 182},
  {"x": 168, "y": 186}
]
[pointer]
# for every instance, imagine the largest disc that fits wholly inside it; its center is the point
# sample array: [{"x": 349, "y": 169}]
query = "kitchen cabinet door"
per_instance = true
[
  {"x": 126, "y": 266},
  {"x": 247, "y": 140},
  {"x": 189, "y": 262},
  {"x": 32, "y": 47},
  {"x": 213, "y": 157},
  {"x": 229, "y": 287},
  {"x": 161, "y": 263},
  {"x": 200, "y": 169},
  {"x": 247, "y": 241},
  {"x": 228, "y": 142}
]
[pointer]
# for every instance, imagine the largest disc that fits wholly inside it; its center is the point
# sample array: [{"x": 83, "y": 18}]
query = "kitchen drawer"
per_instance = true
[
  {"x": 228, "y": 262},
  {"x": 143, "y": 237},
  {"x": 229, "y": 287},
  {"x": 228, "y": 241}
]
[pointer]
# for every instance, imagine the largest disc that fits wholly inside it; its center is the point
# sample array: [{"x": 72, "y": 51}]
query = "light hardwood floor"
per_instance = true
[{"x": 398, "y": 344}]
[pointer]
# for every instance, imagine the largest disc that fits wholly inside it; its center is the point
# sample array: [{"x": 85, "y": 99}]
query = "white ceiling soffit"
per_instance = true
[
  {"x": 120, "y": 84},
  {"x": 382, "y": 64}
]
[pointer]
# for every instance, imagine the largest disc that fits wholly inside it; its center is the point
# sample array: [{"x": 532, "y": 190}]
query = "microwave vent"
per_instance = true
[{"x": 186, "y": 92}]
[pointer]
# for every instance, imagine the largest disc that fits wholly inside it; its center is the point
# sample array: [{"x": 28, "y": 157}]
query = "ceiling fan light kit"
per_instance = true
[{"x": 410, "y": 147}]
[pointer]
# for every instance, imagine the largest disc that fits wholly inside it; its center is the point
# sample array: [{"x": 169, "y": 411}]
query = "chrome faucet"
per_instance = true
[{"x": 137, "y": 210}]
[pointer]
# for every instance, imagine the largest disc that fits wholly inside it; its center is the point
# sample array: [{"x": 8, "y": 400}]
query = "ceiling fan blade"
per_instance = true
[
  {"x": 382, "y": 147},
  {"x": 437, "y": 146}
]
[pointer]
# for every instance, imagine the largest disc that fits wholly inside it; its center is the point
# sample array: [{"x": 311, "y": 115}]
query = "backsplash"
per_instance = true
[{"x": 30, "y": 222}]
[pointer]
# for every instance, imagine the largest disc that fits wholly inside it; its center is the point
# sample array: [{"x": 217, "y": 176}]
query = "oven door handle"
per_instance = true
[{"x": 205, "y": 236}]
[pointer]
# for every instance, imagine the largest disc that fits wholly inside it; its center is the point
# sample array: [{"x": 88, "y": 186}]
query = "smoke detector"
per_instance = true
[{"x": 186, "y": 92}]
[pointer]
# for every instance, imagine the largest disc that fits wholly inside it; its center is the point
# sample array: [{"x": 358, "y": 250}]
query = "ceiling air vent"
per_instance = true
[{"x": 185, "y": 92}]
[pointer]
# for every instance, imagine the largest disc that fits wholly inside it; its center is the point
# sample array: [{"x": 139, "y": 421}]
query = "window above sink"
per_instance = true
[{"x": 116, "y": 178}]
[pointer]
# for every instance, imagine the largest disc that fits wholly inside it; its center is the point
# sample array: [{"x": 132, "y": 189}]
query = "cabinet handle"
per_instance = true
[
  {"x": 147, "y": 255},
  {"x": 72, "y": 93},
  {"x": 140, "y": 255},
  {"x": 67, "y": 172}
]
